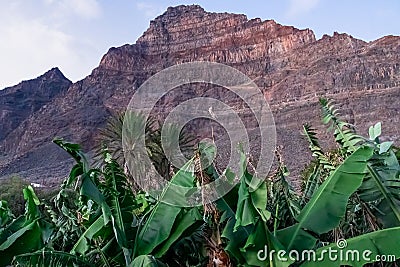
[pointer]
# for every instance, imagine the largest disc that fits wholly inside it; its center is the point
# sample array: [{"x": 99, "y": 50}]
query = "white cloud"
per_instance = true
[
  {"x": 299, "y": 7},
  {"x": 84, "y": 8},
  {"x": 31, "y": 48},
  {"x": 150, "y": 10},
  {"x": 88, "y": 9},
  {"x": 32, "y": 45}
]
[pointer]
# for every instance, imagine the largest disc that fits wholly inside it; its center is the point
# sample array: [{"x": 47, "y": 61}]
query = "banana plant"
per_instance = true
[
  {"x": 25, "y": 234},
  {"x": 283, "y": 200},
  {"x": 111, "y": 222},
  {"x": 381, "y": 187},
  {"x": 166, "y": 222},
  {"x": 378, "y": 246},
  {"x": 245, "y": 216},
  {"x": 328, "y": 204}
]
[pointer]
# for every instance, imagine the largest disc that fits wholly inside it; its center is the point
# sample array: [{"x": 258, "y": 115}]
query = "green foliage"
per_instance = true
[
  {"x": 27, "y": 233},
  {"x": 49, "y": 258},
  {"x": 343, "y": 132},
  {"x": 98, "y": 220},
  {"x": 136, "y": 128},
  {"x": 146, "y": 261},
  {"x": 5, "y": 213},
  {"x": 283, "y": 201},
  {"x": 107, "y": 204},
  {"x": 165, "y": 217},
  {"x": 244, "y": 218},
  {"x": 379, "y": 243},
  {"x": 10, "y": 191},
  {"x": 380, "y": 188},
  {"x": 328, "y": 204}
]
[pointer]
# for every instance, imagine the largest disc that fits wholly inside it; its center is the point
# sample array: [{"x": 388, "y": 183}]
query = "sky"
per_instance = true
[{"x": 37, "y": 35}]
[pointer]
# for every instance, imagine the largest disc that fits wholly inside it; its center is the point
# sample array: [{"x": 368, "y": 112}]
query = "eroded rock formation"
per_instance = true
[{"x": 290, "y": 66}]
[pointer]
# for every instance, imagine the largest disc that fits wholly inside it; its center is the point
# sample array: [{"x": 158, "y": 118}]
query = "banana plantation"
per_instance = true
[{"x": 347, "y": 211}]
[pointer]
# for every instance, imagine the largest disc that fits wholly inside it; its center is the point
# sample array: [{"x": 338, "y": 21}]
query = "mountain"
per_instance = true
[
  {"x": 18, "y": 103},
  {"x": 291, "y": 67}
]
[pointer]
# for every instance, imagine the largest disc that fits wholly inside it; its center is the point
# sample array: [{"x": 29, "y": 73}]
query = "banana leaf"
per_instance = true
[
  {"x": 25, "y": 234},
  {"x": 360, "y": 250},
  {"x": 382, "y": 186},
  {"x": 328, "y": 204},
  {"x": 146, "y": 261},
  {"x": 163, "y": 216},
  {"x": 185, "y": 220},
  {"x": 261, "y": 248}
]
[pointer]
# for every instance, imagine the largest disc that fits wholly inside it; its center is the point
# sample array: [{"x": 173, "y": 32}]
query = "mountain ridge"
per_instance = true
[
  {"x": 34, "y": 92},
  {"x": 291, "y": 67}
]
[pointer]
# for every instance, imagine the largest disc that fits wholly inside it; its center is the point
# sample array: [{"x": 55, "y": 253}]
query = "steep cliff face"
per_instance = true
[
  {"x": 289, "y": 65},
  {"x": 188, "y": 33}
]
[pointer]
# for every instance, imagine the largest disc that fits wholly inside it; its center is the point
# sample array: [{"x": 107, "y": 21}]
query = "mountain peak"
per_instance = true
[
  {"x": 289, "y": 65},
  {"x": 54, "y": 73},
  {"x": 18, "y": 102},
  {"x": 175, "y": 12},
  {"x": 181, "y": 32},
  {"x": 184, "y": 18},
  {"x": 184, "y": 9}
]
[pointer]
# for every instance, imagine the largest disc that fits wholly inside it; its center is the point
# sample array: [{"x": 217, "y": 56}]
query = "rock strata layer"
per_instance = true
[{"x": 289, "y": 65}]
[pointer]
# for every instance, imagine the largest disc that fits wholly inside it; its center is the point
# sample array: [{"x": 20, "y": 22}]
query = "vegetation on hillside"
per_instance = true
[{"x": 350, "y": 201}]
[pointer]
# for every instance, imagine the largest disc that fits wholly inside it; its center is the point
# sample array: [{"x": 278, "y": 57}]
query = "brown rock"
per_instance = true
[{"x": 291, "y": 67}]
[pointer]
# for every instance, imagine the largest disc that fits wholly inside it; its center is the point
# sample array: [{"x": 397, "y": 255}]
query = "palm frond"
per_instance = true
[{"x": 344, "y": 132}]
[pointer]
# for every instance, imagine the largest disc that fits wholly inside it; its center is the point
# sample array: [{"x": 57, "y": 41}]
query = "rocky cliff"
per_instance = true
[{"x": 291, "y": 67}]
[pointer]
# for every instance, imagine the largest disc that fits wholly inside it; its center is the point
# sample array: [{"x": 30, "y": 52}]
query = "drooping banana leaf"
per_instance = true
[
  {"x": 360, "y": 250},
  {"x": 259, "y": 246},
  {"x": 252, "y": 198},
  {"x": 184, "y": 221},
  {"x": 328, "y": 204},
  {"x": 382, "y": 187},
  {"x": 32, "y": 203},
  {"x": 26, "y": 239},
  {"x": 246, "y": 213},
  {"x": 235, "y": 239},
  {"x": 162, "y": 218}
]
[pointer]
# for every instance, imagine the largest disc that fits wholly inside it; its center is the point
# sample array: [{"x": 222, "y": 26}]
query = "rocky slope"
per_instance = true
[
  {"x": 20, "y": 101},
  {"x": 290, "y": 66},
  {"x": 17, "y": 105}
]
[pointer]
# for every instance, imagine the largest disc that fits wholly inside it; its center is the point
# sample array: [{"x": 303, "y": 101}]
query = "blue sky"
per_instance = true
[{"x": 36, "y": 35}]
